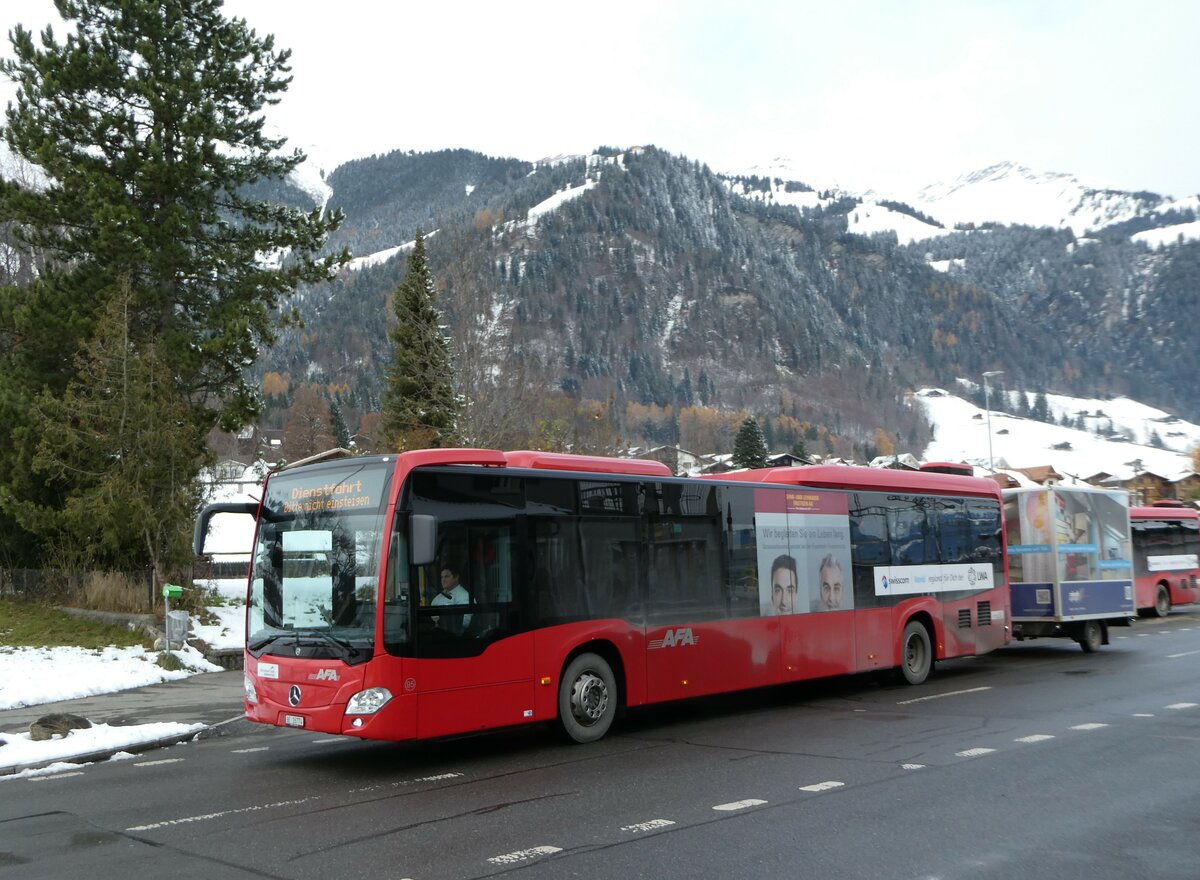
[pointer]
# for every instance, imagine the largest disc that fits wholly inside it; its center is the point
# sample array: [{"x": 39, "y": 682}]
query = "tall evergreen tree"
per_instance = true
[
  {"x": 123, "y": 447},
  {"x": 337, "y": 421},
  {"x": 749, "y": 446},
  {"x": 419, "y": 406},
  {"x": 147, "y": 123}
]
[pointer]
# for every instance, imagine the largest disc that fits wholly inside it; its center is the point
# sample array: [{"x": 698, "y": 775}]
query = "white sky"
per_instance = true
[{"x": 866, "y": 93}]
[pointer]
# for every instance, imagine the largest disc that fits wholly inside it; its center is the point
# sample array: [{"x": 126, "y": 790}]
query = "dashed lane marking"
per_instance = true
[
  {"x": 1143, "y": 715},
  {"x": 652, "y": 825},
  {"x": 739, "y": 805},
  {"x": 1033, "y": 738},
  {"x": 204, "y": 817},
  {"x": 939, "y": 696},
  {"x": 159, "y": 762},
  {"x": 822, "y": 786},
  {"x": 1091, "y": 725},
  {"x": 1184, "y": 654},
  {"x": 912, "y": 766},
  {"x": 974, "y": 753},
  {"x": 524, "y": 855},
  {"x": 248, "y": 751},
  {"x": 1182, "y": 706},
  {"x": 55, "y": 776}
]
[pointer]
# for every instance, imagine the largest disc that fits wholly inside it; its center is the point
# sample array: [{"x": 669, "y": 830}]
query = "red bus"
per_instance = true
[
  {"x": 437, "y": 592},
  {"x": 1166, "y": 556}
]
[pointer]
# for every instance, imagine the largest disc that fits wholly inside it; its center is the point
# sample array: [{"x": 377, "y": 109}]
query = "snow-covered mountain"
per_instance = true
[
  {"x": 1012, "y": 194},
  {"x": 1004, "y": 193},
  {"x": 961, "y": 434}
]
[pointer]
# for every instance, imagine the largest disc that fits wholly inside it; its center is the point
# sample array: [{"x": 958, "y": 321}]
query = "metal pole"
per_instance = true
[{"x": 987, "y": 404}]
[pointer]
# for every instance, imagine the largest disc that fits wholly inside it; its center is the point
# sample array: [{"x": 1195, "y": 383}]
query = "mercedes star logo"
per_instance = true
[{"x": 294, "y": 695}]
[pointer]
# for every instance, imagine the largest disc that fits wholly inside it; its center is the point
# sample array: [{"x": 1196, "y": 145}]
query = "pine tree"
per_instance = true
[
  {"x": 341, "y": 433},
  {"x": 1041, "y": 407},
  {"x": 147, "y": 123},
  {"x": 125, "y": 448},
  {"x": 750, "y": 447},
  {"x": 419, "y": 406}
]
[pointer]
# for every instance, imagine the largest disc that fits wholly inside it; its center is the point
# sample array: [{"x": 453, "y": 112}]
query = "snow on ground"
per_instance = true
[
  {"x": 961, "y": 434},
  {"x": 869, "y": 218},
  {"x": 19, "y": 749},
  {"x": 32, "y": 676},
  {"x": 1168, "y": 235},
  {"x": 230, "y": 629}
]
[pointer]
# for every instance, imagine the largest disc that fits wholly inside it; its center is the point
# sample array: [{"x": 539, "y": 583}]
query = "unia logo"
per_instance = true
[{"x": 675, "y": 638}]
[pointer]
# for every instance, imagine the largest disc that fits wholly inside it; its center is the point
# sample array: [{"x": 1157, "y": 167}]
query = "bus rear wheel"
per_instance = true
[
  {"x": 1091, "y": 636},
  {"x": 587, "y": 698},
  {"x": 916, "y": 653},
  {"x": 1162, "y": 601}
]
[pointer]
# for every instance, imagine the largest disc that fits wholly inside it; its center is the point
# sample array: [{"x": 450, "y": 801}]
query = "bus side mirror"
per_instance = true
[
  {"x": 212, "y": 510},
  {"x": 422, "y": 541}
]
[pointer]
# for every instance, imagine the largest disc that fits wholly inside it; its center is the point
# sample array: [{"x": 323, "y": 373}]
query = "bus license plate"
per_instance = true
[{"x": 293, "y": 720}]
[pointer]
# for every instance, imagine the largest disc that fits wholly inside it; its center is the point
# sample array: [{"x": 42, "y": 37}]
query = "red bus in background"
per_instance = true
[
  {"x": 437, "y": 592},
  {"x": 1166, "y": 556}
]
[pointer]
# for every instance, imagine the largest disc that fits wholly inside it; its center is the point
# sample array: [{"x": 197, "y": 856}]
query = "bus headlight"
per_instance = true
[
  {"x": 368, "y": 702},
  {"x": 248, "y": 685}
]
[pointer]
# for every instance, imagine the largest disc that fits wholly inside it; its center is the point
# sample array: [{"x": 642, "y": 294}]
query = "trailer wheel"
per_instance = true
[
  {"x": 1162, "y": 601},
  {"x": 1091, "y": 636},
  {"x": 916, "y": 653},
  {"x": 587, "y": 698}
]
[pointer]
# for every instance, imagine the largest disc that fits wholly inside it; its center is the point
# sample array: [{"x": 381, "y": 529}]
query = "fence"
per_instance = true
[{"x": 133, "y": 591}]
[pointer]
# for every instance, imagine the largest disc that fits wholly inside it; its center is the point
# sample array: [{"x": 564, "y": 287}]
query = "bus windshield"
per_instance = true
[{"x": 317, "y": 560}]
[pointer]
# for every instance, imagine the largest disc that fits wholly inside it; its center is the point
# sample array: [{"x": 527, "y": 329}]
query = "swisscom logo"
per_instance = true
[{"x": 885, "y": 582}]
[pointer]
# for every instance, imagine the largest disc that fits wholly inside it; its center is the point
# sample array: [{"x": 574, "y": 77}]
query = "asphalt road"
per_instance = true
[{"x": 1036, "y": 761}]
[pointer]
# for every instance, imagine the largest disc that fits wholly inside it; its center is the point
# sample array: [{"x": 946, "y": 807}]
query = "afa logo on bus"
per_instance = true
[{"x": 675, "y": 638}]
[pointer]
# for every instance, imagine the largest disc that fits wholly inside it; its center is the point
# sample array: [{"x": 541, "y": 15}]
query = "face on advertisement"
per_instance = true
[
  {"x": 831, "y": 583},
  {"x": 784, "y": 584}
]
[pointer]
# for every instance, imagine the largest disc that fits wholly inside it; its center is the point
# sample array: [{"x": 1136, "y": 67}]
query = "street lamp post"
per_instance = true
[{"x": 987, "y": 404}]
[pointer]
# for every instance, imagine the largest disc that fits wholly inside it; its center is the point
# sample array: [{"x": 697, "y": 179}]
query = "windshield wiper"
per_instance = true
[
  {"x": 346, "y": 651},
  {"x": 343, "y": 649}
]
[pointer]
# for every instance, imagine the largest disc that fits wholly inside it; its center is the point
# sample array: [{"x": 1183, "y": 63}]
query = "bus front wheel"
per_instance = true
[
  {"x": 916, "y": 653},
  {"x": 1162, "y": 601},
  {"x": 587, "y": 698}
]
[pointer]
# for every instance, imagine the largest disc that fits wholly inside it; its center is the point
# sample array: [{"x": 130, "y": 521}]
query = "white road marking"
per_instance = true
[
  {"x": 438, "y": 778},
  {"x": 1184, "y": 654},
  {"x": 822, "y": 786},
  {"x": 1182, "y": 706},
  {"x": 1143, "y": 635},
  {"x": 1091, "y": 725},
  {"x": 204, "y": 817},
  {"x": 1143, "y": 715},
  {"x": 248, "y": 751},
  {"x": 329, "y": 739},
  {"x": 912, "y": 766},
  {"x": 974, "y": 753},
  {"x": 55, "y": 776},
  {"x": 1034, "y": 738},
  {"x": 647, "y": 826},
  {"x": 158, "y": 762},
  {"x": 739, "y": 805},
  {"x": 524, "y": 855},
  {"x": 939, "y": 696}
]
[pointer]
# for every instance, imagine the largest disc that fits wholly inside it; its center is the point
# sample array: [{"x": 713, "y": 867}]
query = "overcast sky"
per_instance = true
[{"x": 885, "y": 94}]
